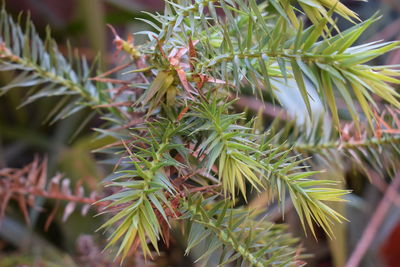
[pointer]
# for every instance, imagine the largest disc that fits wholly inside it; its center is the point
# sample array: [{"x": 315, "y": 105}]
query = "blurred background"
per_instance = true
[{"x": 23, "y": 134}]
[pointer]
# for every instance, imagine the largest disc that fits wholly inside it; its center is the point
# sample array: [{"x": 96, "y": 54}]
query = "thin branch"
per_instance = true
[
  {"x": 379, "y": 183},
  {"x": 59, "y": 196},
  {"x": 6, "y": 54},
  {"x": 348, "y": 144},
  {"x": 372, "y": 228},
  {"x": 25, "y": 184},
  {"x": 266, "y": 108}
]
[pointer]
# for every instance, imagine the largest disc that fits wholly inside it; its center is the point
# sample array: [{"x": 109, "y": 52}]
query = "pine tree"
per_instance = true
[{"x": 187, "y": 159}]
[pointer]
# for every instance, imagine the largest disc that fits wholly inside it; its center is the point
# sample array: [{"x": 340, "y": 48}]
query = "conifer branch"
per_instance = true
[
  {"x": 185, "y": 152},
  {"x": 236, "y": 235}
]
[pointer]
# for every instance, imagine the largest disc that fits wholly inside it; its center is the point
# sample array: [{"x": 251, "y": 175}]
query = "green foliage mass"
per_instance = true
[{"x": 193, "y": 161}]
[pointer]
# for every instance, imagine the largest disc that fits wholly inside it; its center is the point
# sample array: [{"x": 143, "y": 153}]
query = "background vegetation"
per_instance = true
[{"x": 69, "y": 240}]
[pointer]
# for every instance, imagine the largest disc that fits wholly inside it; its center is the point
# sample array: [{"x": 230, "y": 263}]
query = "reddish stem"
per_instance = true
[{"x": 373, "y": 226}]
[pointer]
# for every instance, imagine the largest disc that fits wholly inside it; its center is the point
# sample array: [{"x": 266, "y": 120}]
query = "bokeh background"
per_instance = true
[{"x": 23, "y": 134}]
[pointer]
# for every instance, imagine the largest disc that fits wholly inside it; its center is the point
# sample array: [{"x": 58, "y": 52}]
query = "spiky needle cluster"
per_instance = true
[{"x": 186, "y": 154}]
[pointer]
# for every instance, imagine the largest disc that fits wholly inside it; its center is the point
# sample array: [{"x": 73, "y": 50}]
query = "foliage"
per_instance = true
[
  {"x": 237, "y": 235},
  {"x": 185, "y": 154},
  {"x": 26, "y": 184}
]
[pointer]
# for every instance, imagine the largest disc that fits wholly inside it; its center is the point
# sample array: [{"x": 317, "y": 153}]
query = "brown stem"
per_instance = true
[
  {"x": 60, "y": 196},
  {"x": 373, "y": 226},
  {"x": 379, "y": 183}
]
